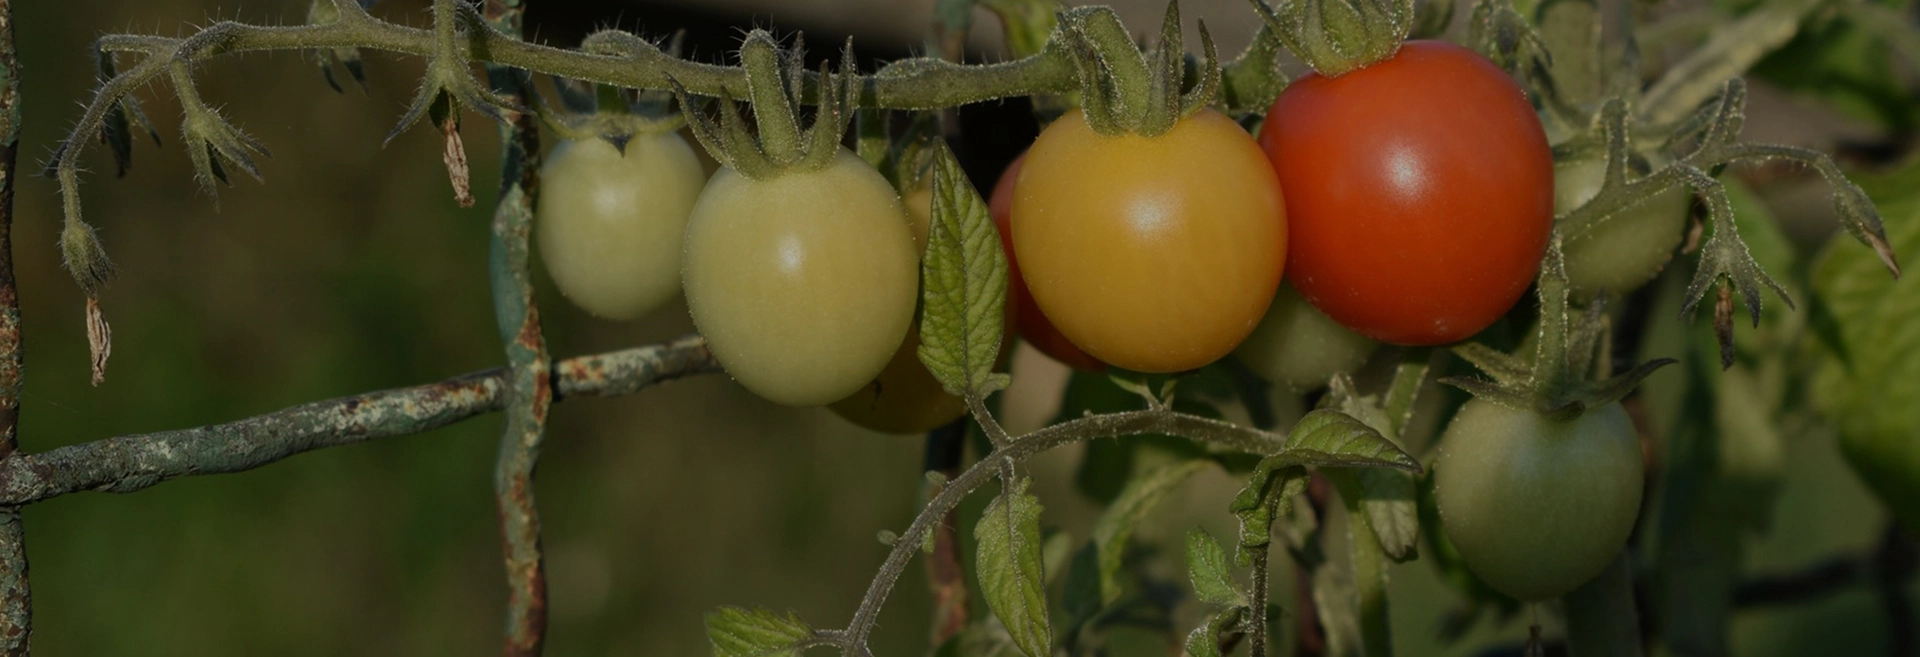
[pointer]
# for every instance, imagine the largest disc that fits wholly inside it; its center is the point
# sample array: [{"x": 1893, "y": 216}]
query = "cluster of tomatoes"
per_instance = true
[
  {"x": 1408, "y": 202},
  {"x": 1150, "y": 253}
]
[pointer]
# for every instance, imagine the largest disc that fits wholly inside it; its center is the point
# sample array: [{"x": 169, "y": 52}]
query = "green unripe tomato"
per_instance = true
[
  {"x": 1626, "y": 250},
  {"x": 1297, "y": 346},
  {"x": 610, "y": 224},
  {"x": 905, "y": 398},
  {"x": 803, "y": 283},
  {"x": 1535, "y": 506}
]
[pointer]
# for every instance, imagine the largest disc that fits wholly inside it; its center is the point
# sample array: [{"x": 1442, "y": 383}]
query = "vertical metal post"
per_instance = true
[
  {"x": 530, "y": 390},
  {"x": 16, "y": 597}
]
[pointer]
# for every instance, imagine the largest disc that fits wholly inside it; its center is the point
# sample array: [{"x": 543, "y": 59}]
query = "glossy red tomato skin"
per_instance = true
[
  {"x": 1419, "y": 193},
  {"x": 1028, "y": 321}
]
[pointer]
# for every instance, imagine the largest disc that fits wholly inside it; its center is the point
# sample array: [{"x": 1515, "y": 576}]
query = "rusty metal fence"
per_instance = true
[{"x": 524, "y": 389}]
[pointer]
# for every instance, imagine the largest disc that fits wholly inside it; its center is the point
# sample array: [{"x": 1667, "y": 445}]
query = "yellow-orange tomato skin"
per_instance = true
[{"x": 1154, "y": 254}]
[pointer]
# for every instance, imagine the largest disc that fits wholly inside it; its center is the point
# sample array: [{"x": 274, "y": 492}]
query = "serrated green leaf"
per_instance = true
[
  {"x": 1204, "y": 641},
  {"x": 1116, "y": 525},
  {"x": 1387, "y": 497},
  {"x": 1011, "y": 578},
  {"x": 1333, "y": 438},
  {"x": 755, "y": 632},
  {"x": 965, "y": 276},
  {"x": 1322, "y": 438},
  {"x": 1336, "y": 599},
  {"x": 1869, "y": 397},
  {"x": 1207, "y": 568},
  {"x": 1265, "y": 498}
]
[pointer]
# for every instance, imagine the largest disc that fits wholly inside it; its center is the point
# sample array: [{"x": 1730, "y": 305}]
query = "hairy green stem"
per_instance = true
[
  {"x": 1257, "y": 595},
  {"x": 926, "y": 85}
]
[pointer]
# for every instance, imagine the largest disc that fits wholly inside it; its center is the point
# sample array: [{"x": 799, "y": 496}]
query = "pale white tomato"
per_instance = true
[
  {"x": 803, "y": 283},
  {"x": 610, "y": 225}
]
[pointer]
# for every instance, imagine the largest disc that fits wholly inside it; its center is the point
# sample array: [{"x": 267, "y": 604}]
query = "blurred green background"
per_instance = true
[{"x": 352, "y": 270}]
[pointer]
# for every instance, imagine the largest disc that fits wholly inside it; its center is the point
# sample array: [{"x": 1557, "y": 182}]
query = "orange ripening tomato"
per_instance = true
[
  {"x": 1154, "y": 254},
  {"x": 1027, "y": 318},
  {"x": 1419, "y": 193}
]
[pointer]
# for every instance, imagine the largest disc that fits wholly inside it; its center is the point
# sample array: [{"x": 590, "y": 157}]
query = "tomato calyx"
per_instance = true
[
  {"x": 1570, "y": 371},
  {"x": 776, "y": 84},
  {"x": 1125, "y": 90},
  {"x": 1338, "y": 36}
]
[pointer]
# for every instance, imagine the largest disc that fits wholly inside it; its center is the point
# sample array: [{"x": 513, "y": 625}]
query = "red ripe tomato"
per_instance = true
[
  {"x": 1419, "y": 193},
  {"x": 1031, "y": 324}
]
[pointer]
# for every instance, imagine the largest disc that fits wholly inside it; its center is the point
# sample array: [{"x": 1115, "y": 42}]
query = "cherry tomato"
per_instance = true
[
  {"x": 1628, "y": 249},
  {"x": 1155, "y": 254},
  {"x": 610, "y": 224},
  {"x": 905, "y": 398},
  {"x": 1299, "y": 347},
  {"x": 1419, "y": 193},
  {"x": 1535, "y": 506},
  {"x": 803, "y": 283},
  {"x": 1031, "y": 324}
]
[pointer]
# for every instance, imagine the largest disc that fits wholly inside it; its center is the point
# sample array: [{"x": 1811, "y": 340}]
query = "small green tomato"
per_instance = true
[
  {"x": 1299, "y": 347},
  {"x": 803, "y": 283},
  {"x": 1536, "y": 506},
  {"x": 610, "y": 225},
  {"x": 1626, "y": 250}
]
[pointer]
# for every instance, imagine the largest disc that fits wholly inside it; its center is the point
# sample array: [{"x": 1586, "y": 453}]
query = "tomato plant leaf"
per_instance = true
[
  {"x": 965, "y": 275},
  {"x": 1116, "y": 525},
  {"x": 755, "y": 632},
  {"x": 1322, "y": 438},
  {"x": 1388, "y": 500},
  {"x": 1266, "y": 497},
  {"x": 1869, "y": 397},
  {"x": 1204, "y": 641},
  {"x": 1010, "y": 567},
  {"x": 1333, "y": 438},
  {"x": 1385, "y": 496},
  {"x": 1207, "y": 567},
  {"x": 1336, "y": 598}
]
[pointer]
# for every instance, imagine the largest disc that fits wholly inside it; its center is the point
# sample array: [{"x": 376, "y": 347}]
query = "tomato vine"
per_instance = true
[{"x": 1552, "y": 396}]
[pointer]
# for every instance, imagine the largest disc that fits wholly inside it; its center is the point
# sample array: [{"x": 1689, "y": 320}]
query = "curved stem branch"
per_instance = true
[{"x": 1213, "y": 432}]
